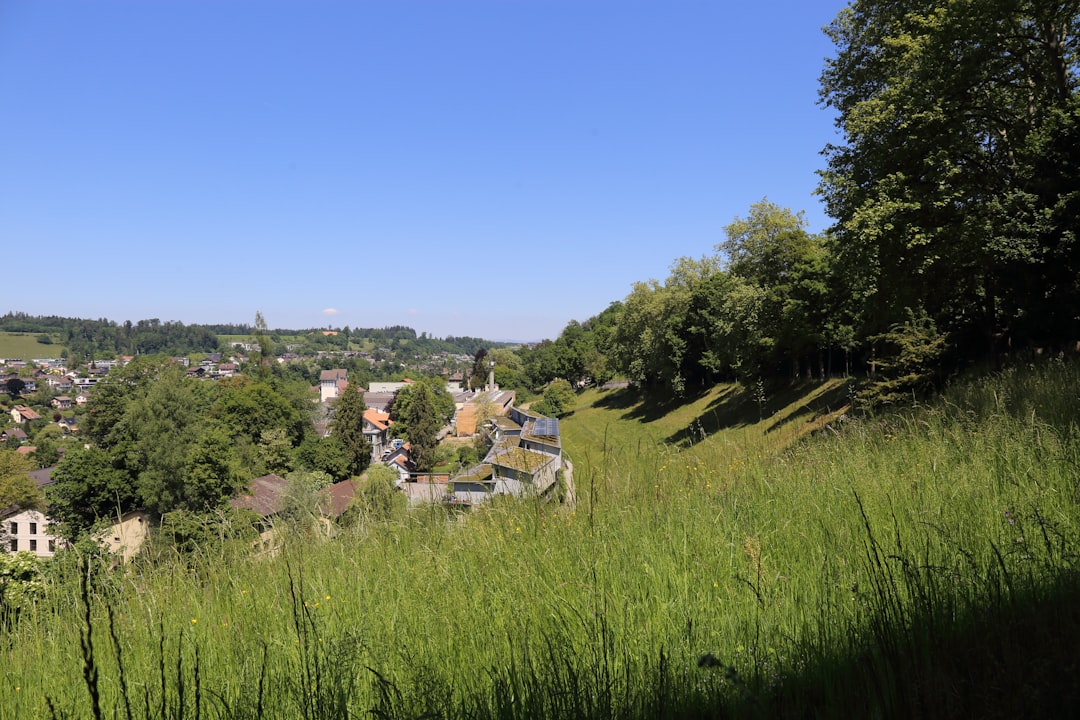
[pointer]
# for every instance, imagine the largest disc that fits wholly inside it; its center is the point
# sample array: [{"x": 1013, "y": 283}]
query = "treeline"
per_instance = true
[
  {"x": 954, "y": 188},
  {"x": 103, "y": 338}
]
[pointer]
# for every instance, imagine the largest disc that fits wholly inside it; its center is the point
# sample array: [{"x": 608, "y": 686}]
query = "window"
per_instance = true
[
  {"x": 33, "y": 546},
  {"x": 14, "y": 528},
  {"x": 33, "y": 528},
  {"x": 14, "y": 545},
  {"x": 52, "y": 546}
]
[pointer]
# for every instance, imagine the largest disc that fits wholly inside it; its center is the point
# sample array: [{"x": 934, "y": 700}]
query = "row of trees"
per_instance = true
[{"x": 955, "y": 190}]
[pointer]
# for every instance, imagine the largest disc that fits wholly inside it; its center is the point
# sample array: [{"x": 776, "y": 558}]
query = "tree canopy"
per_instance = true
[{"x": 955, "y": 187}]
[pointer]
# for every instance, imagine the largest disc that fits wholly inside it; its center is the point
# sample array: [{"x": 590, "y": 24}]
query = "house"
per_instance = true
[
  {"x": 21, "y": 414},
  {"x": 378, "y": 400},
  {"x": 495, "y": 402},
  {"x": 526, "y": 457},
  {"x": 14, "y": 433},
  {"x": 61, "y": 402},
  {"x": 28, "y": 531},
  {"x": 126, "y": 536},
  {"x": 377, "y": 431},
  {"x": 332, "y": 383},
  {"x": 60, "y": 383}
]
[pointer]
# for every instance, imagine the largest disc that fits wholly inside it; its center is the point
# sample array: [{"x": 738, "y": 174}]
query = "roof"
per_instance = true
[
  {"x": 27, "y": 413},
  {"x": 518, "y": 458},
  {"x": 266, "y": 496},
  {"x": 333, "y": 375},
  {"x": 43, "y": 476},
  {"x": 542, "y": 428},
  {"x": 380, "y": 420},
  {"x": 338, "y": 495},
  {"x": 477, "y": 473}
]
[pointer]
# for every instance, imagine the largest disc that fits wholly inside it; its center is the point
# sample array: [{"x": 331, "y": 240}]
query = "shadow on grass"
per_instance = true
[
  {"x": 645, "y": 405},
  {"x": 735, "y": 407}
]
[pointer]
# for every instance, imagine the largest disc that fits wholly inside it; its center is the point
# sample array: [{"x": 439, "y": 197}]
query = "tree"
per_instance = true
[
  {"x": 163, "y": 425},
  {"x": 955, "y": 185},
  {"x": 772, "y": 250},
  {"x": 559, "y": 399},
  {"x": 17, "y": 489},
  {"x": 14, "y": 387},
  {"x": 347, "y": 427},
  {"x": 87, "y": 487},
  {"x": 442, "y": 401},
  {"x": 418, "y": 417}
]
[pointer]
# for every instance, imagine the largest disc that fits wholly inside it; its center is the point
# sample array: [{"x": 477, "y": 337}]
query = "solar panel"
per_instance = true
[{"x": 546, "y": 426}]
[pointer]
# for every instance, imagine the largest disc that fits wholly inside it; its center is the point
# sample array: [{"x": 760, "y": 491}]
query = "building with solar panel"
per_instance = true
[{"x": 525, "y": 459}]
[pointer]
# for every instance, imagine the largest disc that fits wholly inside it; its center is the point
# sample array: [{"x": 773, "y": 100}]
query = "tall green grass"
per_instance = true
[{"x": 916, "y": 564}]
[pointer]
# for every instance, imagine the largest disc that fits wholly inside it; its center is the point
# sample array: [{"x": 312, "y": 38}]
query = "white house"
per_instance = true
[{"x": 28, "y": 531}]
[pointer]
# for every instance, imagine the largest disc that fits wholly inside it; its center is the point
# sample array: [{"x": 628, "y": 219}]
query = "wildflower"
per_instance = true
[
  {"x": 194, "y": 621},
  {"x": 327, "y": 597},
  {"x": 244, "y": 591}
]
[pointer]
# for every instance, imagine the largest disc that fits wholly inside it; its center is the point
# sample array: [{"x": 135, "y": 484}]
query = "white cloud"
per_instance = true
[{"x": 331, "y": 311}]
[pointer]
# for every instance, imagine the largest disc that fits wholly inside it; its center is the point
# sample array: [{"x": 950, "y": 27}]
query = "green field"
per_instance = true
[
  {"x": 25, "y": 346},
  {"x": 921, "y": 564}
]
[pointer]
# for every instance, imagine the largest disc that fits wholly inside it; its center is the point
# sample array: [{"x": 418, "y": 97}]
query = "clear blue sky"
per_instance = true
[{"x": 493, "y": 169}]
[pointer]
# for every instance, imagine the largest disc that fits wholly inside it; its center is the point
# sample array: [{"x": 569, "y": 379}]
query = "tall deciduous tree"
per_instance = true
[
  {"x": 956, "y": 186},
  {"x": 347, "y": 427},
  {"x": 87, "y": 487}
]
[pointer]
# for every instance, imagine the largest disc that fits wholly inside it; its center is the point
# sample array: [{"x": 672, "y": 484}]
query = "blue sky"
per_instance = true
[{"x": 493, "y": 169}]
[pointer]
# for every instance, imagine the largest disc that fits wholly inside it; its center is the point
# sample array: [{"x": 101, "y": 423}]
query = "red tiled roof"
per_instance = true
[{"x": 380, "y": 420}]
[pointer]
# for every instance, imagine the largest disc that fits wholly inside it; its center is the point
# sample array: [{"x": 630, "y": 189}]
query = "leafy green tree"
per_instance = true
[
  {"x": 47, "y": 454},
  {"x": 21, "y": 584},
  {"x": 442, "y": 403},
  {"x": 211, "y": 473},
  {"x": 559, "y": 399},
  {"x": 347, "y": 428},
  {"x": 276, "y": 451},
  {"x": 164, "y": 425},
  {"x": 954, "y": 185},
  {"x": 87, "y": 487},
  {"x": 17, "y": 489},
  {"x": 327, "y": 455},
  {"x": 249, "y": 409},
  {"x": 772, "y": 249}
]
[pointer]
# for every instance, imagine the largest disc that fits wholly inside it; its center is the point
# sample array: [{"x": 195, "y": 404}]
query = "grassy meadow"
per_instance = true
[
  {"x": 25, "y": 346},
  {"x": 738, "y": 555}
]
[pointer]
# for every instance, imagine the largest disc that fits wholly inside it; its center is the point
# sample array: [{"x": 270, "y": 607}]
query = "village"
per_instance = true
[{"x": 524, "y": 455}]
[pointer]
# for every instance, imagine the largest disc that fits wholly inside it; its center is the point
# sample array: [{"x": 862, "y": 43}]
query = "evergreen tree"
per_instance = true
[
  {"x": 347, "y": 427},
  {"x": 423, "y": 426}
]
